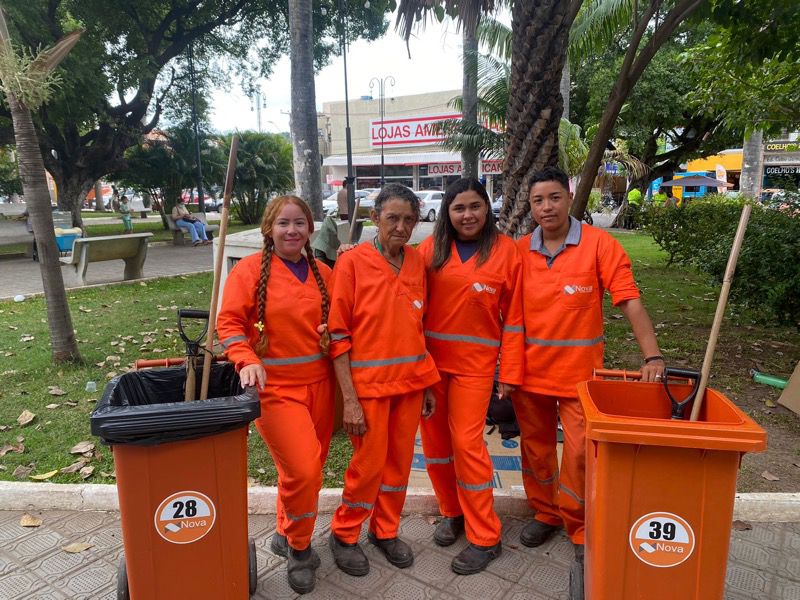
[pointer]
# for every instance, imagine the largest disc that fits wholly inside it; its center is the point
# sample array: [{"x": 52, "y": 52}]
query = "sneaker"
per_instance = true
[
  {"x": 448, "y": 530},
  {"x": 207, "y": 242},
  {"x": 197, "y": 243},
  {"x": 279, "y": 545},
  {"x": 302, "y": 569},
  {"x": 395, "y": 550},
  {"x": 474, "y": 559},
  {"x": 576, "y": 575},
  {"x": 537, "y": 533},
  {"x": 350, "y": 558}
]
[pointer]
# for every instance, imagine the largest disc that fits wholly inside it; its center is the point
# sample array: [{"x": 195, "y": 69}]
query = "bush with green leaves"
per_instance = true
[{"x": 701, "y": 232}]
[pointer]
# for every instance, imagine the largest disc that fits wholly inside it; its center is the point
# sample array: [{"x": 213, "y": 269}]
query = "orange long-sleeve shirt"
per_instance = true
[
  {"x": 563, "y": 305},
  {"x": 376, "y": 316},
  {"x": 475, "y": 312},
  {"x": 293, "y": 313}
]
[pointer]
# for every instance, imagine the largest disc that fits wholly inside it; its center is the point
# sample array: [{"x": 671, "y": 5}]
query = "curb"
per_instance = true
[{"x": 756, "y": 507}]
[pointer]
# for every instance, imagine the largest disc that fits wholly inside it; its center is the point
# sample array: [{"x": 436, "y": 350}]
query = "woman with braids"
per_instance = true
[
  {"x": 273, "y": 326},
  {"x": 378, "y": 351},
  {"x": 474, "y": 315}
]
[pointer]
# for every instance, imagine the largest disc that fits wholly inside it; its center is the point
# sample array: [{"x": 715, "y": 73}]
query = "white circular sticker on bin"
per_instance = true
[
  {"x": 185, "y": 517},
  {"x": 662, "y": 539}
]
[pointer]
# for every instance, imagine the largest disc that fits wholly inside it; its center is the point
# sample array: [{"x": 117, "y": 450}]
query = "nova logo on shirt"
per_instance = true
[
  {"x": 578, "y": 289},
  {"x": 417, "y": 304},
  {"x": 480, "y": 287}
]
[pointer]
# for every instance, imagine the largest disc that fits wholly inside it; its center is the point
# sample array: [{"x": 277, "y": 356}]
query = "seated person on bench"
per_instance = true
[{"x": 183, "y": 218}]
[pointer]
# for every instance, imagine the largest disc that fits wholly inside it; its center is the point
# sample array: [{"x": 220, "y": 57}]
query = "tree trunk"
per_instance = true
[
  {"x": 469, "y": 93},
  {"x": 566, "y": 82},
  {"x": 752, "y": 165},
  {"x": 540, "y": 32},
  {"x": 99, "y": 204},
  {"x": 64, "y": 347},
  {"x": 303, "y": 122}
]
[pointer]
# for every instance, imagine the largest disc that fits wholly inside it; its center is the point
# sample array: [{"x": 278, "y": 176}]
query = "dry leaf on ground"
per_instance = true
[
  {"x": 25, "y": 417},
  {"x": 43, "y": 476},
  {"x": 81, "y": 447},
  {"x": 769, "y": 476},
  {"x": 113, "y": 474},
  {"x": 742, "y": 526},
  {"x": 54, "y": 390},
  {"x": 52, "y": 406},
  {"x": 76, "y": 547},
  {"x": 22, "y": 472},
  {"x": 26, "y": 338},
  {"x": 29, "y": 521},
  {"x": 75, "y": 467},
  {"x": 86, "y": 472}
]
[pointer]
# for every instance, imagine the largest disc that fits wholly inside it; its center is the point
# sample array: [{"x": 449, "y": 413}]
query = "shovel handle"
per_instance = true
[
  {"x": 192, "y": 313},
  {"x": 691, "y": 375}
]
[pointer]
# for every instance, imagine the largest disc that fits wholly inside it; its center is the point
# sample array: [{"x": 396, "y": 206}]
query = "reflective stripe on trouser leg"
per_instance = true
[
  {"x": 404, "y": 416},
  {"x": 362, "y": 479},
  {"x": 438, "y": 450},
  {"x": 572, "y": 479},
  {"x": 468, "y": 402},
  {"x": 296, "y": 424},
  {"x": 537, "y": 418}
]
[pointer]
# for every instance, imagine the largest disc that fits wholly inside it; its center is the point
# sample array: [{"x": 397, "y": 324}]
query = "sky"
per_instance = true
[{"x": 435, "y": 65}]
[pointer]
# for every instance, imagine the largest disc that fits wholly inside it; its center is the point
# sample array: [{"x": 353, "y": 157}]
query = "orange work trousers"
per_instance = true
[
  {"x": 296, "y": 423},
  {"x": 376, "y": 480},
  {"x": 456, "y": 457},
  {"x": 556, "y": 496}
]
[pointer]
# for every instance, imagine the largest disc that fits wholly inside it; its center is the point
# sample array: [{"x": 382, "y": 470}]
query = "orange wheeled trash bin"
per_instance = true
[
  {"x": 182, "y": 482},
  {"x": 659, "y": 490}
]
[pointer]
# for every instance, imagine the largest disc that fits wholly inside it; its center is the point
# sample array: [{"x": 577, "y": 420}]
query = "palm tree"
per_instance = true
[
  {"x": 303, "y": 122},
  {"x": 27, "y": 82}
]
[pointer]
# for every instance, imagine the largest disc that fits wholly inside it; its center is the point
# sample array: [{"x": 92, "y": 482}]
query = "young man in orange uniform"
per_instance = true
[
  {"x": 568, "y": 266},
  {"x": 378, "y": 349},
  {"x": 474, "y": 315},
  {"x": 271, "y": 322}
]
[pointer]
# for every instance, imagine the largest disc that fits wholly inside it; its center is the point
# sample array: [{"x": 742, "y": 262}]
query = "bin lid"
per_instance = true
[{"x": 633, "y": 412}]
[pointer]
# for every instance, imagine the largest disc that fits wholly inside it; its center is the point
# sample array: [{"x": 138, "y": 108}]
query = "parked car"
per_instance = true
[
  {"x": 330, "y": 206},
  {"x": 430, "y": 203},
  {"x": 497, "y": 204}
]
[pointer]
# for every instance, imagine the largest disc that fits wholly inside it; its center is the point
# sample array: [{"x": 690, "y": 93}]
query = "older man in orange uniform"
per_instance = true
[
  {"x": 568, "y": 266},
  {"x": 377, "y": 303}
]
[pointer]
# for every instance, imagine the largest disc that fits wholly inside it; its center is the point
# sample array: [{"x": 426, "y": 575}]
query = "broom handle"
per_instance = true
[
  {"x": 223, "y": 231},
  {"x": 718, "y": 316}
]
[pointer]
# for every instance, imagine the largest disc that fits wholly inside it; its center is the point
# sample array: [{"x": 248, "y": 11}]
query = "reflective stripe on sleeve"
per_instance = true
[
  {"x": 514, "y": 329},
  {"x": 232, "y": 340},
  {"x": 385, "y": 362},
  {"x": 291, "y": 360},
  {"x": 474, "y": 487},
  {"x": 569, "y": 342},
  {"x": 454, "y": 337}
]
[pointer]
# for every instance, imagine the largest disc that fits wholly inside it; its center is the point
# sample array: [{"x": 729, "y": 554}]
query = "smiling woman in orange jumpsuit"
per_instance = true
[
  {"x": 568, "y": 266},
  {"x": 474, "y": 315},
  {"x": 383, "y": 368},
  {"x": 272, "y": 324}
]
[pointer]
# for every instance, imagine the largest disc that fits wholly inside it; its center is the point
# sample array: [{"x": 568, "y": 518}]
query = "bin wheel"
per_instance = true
[
  {"x": 122, "y": 581},
  {"x": 253, "y": 566}
]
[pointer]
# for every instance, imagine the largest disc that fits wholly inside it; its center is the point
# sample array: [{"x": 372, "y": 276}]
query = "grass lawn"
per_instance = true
[{"x": 117, "y": 324}]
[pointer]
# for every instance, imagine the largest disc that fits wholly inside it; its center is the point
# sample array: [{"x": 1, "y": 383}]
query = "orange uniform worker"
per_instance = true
[
  {"x": 274, "y": 308},
  {"x": 568, "y": 266},
  {"x": 474, "y": 314},
  {"x": 383, "y": 368}
]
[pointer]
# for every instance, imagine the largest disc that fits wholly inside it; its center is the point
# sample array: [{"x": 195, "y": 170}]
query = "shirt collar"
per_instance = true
[{"x": 573, "y": 236}]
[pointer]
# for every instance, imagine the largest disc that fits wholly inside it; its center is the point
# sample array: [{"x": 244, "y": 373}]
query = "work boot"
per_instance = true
[
  {"x": 474, "y": 558},
  {"x": 537, "y": 533},
  {"x": 302, "y": 569},
  {"x": 350, "y": 558},
  {"x": 396, "y": 550},
  {"x": 279, "y": 545},
  {"x": 576, "y": 575},
  {"x": 447, "y": 530}
]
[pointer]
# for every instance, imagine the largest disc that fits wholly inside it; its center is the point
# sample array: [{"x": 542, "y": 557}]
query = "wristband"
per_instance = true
[{"x": 650, "y": 359}]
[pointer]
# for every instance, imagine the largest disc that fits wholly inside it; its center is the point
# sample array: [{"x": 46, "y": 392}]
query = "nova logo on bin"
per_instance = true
[
  {"x": 578, "y": 289},
  {"x": 661, "y": 539},
  {"x": 185, "y": 517}
]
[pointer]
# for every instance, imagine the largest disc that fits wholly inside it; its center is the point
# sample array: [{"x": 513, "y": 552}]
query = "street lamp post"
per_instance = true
[
  {"x": 199, "y": 168},
  {"x": 257, "y": 102},
  {"x": 381, "y": 83},
  {"x": 351, "y": 188}
]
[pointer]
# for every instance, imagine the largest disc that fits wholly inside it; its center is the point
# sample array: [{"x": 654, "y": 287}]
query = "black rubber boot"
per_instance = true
[
  {"x": 302, "y": 569},
  {"x": 279, "y": 545},
  {"x": 537, "y": 533},
  {"x": 448, "y": 530},
  {"x": 474, "y": 559},
  {"x": 350, "y": 558},
  {"x": 576, "y": 575},
  {"x": 396, "y": 550}
]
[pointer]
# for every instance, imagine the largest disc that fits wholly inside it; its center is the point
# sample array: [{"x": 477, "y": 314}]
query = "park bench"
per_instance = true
[
  {"x": 132, "y": 248},
  {"x": 179, "y": 232},
  {"x": 15, "y": 231}
]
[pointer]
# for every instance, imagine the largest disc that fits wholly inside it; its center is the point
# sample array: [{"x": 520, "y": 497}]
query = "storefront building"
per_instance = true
[{"x": 408, "y": 138}]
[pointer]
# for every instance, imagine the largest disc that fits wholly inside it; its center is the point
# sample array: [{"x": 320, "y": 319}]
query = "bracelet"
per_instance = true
[{"x": 650, "y": 359}]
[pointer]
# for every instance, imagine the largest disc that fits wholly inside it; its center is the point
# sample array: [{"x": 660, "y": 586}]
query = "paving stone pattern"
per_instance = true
[{"x": 764, "y": 563}]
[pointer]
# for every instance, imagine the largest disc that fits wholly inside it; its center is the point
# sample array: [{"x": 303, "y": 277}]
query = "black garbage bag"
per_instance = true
[{"x": 147, "y": 407}]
